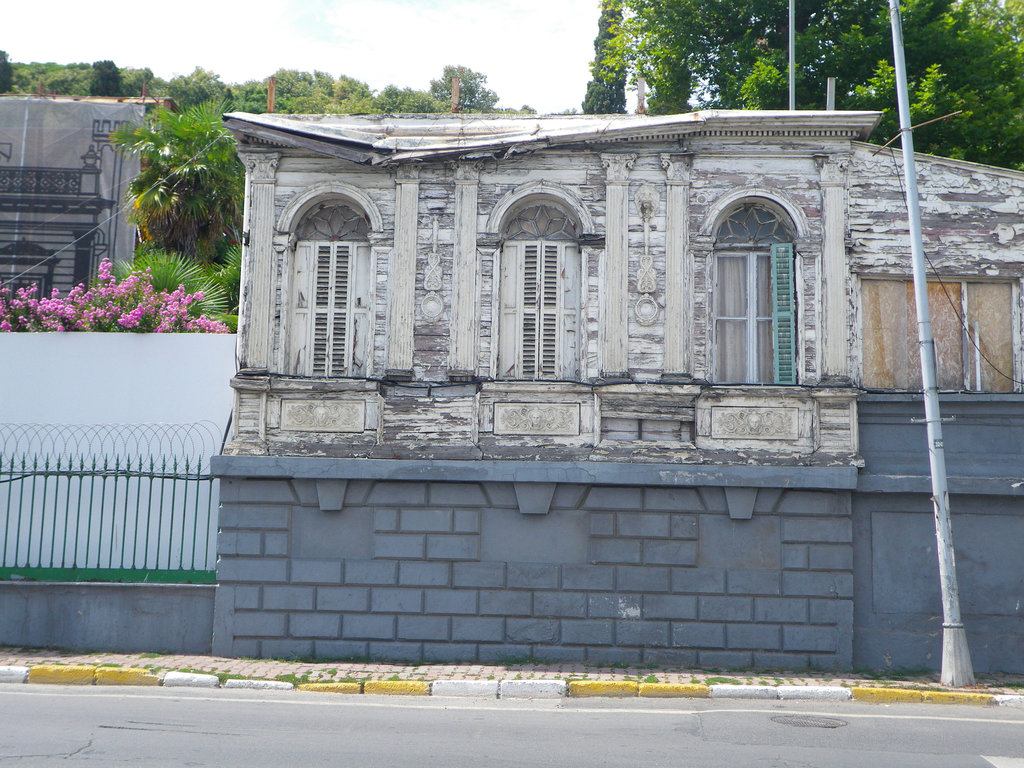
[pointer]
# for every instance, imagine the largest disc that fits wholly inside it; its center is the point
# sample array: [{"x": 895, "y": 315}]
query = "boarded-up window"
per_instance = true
[
  {"x": 329, "y": 333},
  {"x": 971, "y": 323}
]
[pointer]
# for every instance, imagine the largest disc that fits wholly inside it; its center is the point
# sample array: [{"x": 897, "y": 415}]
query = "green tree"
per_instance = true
[
  {"x": 732, "y": 54},
  {"x": 6, "y": 73},
  {"x": 197, "y": 88},
  {"x": 106, "y": 79},
  {"x": 395, "y": 100},
  {"x": 474, "y": 95},
  {"x": 353, "y": 97},
  {"x": 188, "y": 196},
  {"x": 606, "y": 91},
  {"x": 61, "y": 79},
  {"x": 133, "y": 80}
]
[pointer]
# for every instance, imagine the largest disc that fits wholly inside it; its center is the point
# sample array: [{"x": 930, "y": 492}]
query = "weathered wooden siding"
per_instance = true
[{"x": 848, "y": 214}]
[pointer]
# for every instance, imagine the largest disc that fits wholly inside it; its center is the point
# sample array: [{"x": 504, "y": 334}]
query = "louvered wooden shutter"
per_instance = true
[
  {"x": 783, "y": 313},
  {"x": 532, "y": 290},
  {"x": 321, "y": 310},
  {"x": 547, "y": 312}
]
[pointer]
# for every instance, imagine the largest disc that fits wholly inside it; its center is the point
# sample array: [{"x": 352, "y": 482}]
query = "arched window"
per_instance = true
[
  {"x": 754, "y": 297},
  {"x": 331, "y": 314},
  {"x": 540, "y": 278}
]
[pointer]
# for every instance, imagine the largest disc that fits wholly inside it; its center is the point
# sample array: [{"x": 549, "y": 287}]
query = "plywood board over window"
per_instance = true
[{"x": 972, "y": 323}]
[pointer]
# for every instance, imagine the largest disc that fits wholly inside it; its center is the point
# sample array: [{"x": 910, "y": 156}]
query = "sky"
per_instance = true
[{"x": 534, "y": 52}]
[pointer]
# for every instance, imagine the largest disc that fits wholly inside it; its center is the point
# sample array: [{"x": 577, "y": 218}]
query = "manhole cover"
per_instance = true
[{"x": 799, "y": 721}]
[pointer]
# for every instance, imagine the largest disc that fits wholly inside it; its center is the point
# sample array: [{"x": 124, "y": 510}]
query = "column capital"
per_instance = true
[
  {"x": 467, "y": 172},
  {"x": 407, "y": 174},
  {"x": 618, "y": 165},
  {"x": 677, "y": 167},
  {"x": 261, "y": 166},
  {"x": 832, "y": 169}
]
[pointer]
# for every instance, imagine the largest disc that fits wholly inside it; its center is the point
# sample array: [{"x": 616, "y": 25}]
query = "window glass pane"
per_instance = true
[
  {"x": 541, "y": 222},
  {"x": 753, "y": 224},
  {"x": 765, "y": 352},
  {"x": 731, "y": 350},
  {"x": 332, "y": 223},
  {"x": 731, "y": 298}
]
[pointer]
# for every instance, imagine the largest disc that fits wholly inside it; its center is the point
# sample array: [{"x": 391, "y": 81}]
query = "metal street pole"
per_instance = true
[
  {"x": 956, "y": 657},
  {"x": 792, "y": 56}
]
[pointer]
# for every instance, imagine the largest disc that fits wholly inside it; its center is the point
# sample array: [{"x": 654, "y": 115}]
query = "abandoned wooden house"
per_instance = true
[{"x": 610, "y": 388}]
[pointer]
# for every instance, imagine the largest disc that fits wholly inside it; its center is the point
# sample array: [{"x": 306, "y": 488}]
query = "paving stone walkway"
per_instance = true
[{"x": 326, "y": 671}]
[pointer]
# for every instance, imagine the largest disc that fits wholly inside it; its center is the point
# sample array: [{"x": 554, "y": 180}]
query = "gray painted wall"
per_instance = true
[
  {"x": 168, "y": 618},
  {"x": 442, "y": 571},
  {"x": 898, "y": 612}
]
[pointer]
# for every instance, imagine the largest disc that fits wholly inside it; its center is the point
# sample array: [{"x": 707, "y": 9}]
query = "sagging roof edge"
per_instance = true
[{"x": 391, "y": 139}]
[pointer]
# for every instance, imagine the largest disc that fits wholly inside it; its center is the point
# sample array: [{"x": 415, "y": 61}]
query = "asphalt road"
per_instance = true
[{"x": 49, "y": 726}]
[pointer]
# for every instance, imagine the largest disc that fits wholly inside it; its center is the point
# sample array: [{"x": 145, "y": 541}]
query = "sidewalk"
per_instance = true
[{"x": 361, "y": 671}]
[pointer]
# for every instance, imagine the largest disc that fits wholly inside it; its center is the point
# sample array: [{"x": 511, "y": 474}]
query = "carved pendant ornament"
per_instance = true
[
  {"x": 646, "y": 308},
  {"x": 432, "y": 305}
]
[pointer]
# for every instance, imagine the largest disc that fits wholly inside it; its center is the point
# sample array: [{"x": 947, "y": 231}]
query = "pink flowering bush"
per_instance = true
[{"x": 130, "y": 304}]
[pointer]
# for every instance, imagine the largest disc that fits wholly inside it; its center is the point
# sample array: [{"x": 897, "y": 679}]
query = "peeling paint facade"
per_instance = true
[{"x": 533, "y": 309}]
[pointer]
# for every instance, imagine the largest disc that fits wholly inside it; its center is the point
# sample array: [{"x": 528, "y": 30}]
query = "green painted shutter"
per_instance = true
[{"x": 783, "y": 314}]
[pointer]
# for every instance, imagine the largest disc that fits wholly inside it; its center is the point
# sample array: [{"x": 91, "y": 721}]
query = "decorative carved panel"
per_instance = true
[
  {"x": 319, "y": 416},
  {"x": 534, "y": 419},
  {"x": 754, "y": 423}
]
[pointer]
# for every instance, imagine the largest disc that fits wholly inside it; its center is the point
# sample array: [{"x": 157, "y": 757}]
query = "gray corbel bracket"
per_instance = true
[
  {"x": 741, "y": 500},
  {"x": 331, "y": 494},
  {"x": 534, "y": 498}
]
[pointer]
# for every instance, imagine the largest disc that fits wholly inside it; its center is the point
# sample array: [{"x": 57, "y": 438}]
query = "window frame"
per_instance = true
[
  {"x": 321, "y": 267},
  {"x": 779, "y": 292}
]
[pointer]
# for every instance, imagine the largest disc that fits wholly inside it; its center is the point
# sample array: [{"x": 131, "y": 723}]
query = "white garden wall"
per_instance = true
[{"x": 116, "y": 378}]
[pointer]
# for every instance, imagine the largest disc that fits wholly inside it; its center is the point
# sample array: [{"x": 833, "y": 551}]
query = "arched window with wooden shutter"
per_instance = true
[
  {"x": 539, "y": 295},
  {"x": 754, "y": 297},
  {"x": 331, "y": 317}
]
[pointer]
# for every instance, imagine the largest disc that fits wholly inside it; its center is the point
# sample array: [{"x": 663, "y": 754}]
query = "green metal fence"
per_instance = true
[{"x": 108, "y": 503}]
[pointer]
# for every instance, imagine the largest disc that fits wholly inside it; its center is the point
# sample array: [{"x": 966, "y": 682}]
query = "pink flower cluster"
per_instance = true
[{"x": 129, "y": 305}]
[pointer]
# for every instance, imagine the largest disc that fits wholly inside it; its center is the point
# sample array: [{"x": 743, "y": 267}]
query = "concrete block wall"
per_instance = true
[{"x": 440, "y": 571}]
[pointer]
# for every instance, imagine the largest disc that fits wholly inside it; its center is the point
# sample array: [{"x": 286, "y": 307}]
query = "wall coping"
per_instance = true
[{"x": 577, "y": 472}]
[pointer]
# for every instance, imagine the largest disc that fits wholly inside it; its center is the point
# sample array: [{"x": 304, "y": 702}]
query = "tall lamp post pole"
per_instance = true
[
  {"x": 956, "y": 657},
  {"x": 792, "y": 56}
]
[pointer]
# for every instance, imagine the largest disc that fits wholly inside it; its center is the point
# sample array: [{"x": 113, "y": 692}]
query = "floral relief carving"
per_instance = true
[
  {"x": 528, "y": 419},
  {"x": 763, "y": 423},
  {"x": 307, "y": 416}
]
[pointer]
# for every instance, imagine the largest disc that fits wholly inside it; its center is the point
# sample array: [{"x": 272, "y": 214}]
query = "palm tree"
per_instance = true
[{"x": 188, "y": 196}]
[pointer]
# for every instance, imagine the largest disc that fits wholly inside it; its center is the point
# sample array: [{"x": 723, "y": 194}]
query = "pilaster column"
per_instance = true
[
  {"x": 615, "y": 306},
  {"x": 401, "y": 289},
  {"x": 678, "y": 271},
  {"x": 462, "y": 350},
  {"x": 255, "y": 307},
  {"x": 833, "y": 347}
]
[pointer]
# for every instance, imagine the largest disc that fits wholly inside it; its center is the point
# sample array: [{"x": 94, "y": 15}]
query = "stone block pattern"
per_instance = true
[{"x": 665, "y": 579}]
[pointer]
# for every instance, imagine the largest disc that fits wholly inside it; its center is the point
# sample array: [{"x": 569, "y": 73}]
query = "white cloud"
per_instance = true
[{"x": 533, "y": 52}]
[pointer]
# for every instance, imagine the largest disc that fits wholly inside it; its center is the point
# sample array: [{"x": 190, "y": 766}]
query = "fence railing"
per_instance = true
[{"x": 108, "y": 502}]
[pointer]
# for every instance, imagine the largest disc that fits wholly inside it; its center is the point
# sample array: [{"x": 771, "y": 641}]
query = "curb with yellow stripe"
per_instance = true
[{"x": 81, "y": 674}]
